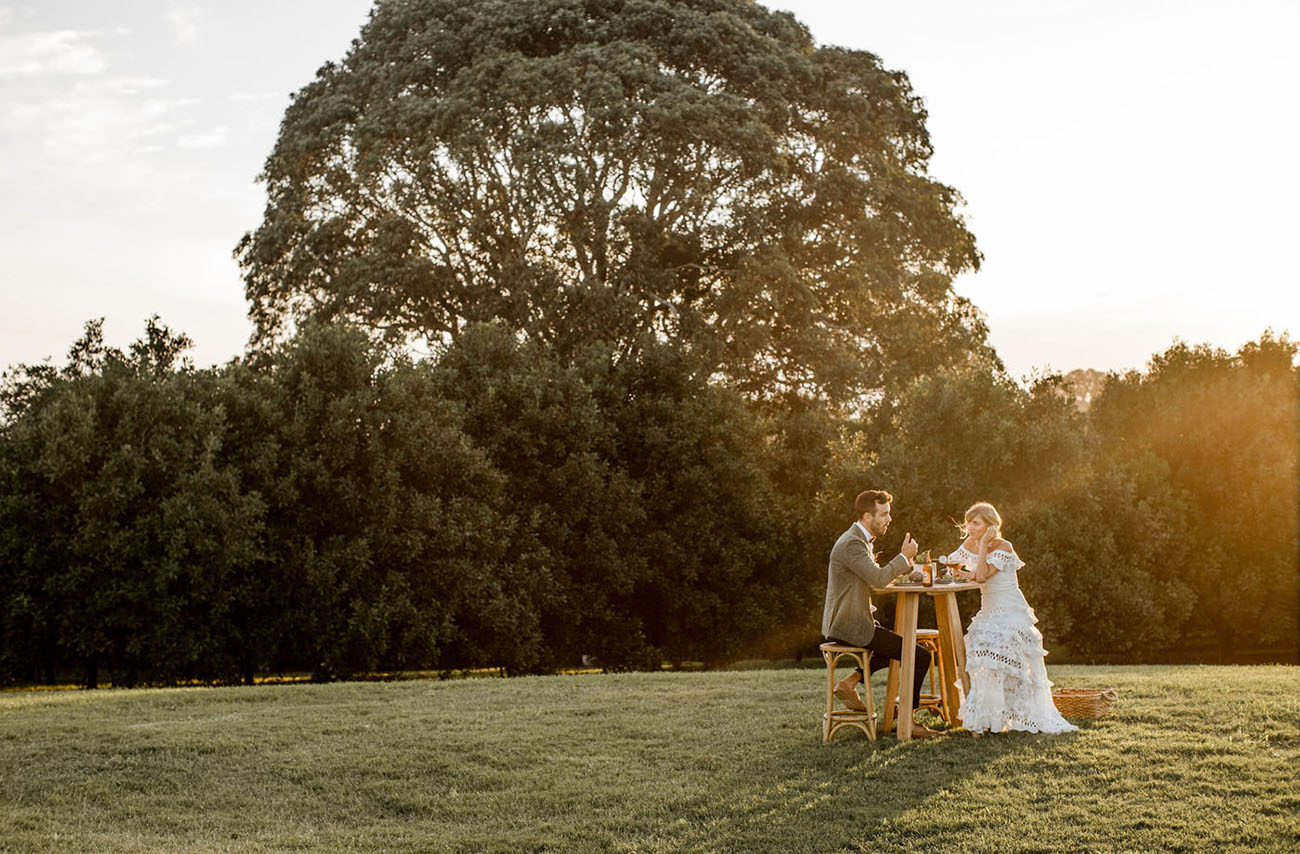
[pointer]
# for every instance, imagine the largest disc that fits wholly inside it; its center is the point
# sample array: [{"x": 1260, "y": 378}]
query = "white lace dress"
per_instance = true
[{"x": 1009, "y": 688}]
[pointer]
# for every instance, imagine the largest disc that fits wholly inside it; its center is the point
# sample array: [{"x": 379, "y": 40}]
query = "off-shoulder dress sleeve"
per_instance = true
[
  {"x": 962, "y": 556},
  {"x": 1004, "y": 559}
]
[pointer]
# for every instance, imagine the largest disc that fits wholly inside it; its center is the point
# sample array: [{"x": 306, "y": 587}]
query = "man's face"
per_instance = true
[{"x": 878, "y": 522}]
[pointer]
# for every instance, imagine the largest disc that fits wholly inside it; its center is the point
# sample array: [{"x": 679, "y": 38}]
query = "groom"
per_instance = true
[{"x": 848, "y": 619}]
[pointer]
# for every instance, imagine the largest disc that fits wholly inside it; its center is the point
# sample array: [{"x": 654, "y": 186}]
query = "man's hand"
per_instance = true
[{"x": 909, "y": 546}]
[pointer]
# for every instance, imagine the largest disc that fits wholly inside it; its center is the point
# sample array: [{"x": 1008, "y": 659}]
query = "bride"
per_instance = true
[{"x": 1009, "y": 688}]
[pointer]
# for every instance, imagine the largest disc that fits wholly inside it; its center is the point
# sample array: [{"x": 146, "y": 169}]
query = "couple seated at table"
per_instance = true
[{"x": 1009, "y": 688}]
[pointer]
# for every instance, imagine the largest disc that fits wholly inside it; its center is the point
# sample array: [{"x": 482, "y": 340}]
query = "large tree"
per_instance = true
[{"x": 598, "y": 169}]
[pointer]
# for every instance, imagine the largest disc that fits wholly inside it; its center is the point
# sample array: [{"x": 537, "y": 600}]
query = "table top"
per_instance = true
[{"x": 954, "y": 587}]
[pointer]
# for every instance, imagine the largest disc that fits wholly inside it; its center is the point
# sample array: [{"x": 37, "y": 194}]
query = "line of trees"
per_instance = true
[
  {"x": 325, "y": 509},
  {"x": 333, "y": 512}
]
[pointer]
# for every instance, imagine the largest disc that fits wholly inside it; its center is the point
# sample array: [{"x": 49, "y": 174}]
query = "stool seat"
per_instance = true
[{"x": 835, "y": 719}]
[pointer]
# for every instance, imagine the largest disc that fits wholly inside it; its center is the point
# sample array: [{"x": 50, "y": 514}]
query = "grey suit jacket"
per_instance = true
[{"x": 853, "y": 572}]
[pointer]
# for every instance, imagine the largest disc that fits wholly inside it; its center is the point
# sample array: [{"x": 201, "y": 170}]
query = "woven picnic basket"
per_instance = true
[{"x": 1083, "y": 702}]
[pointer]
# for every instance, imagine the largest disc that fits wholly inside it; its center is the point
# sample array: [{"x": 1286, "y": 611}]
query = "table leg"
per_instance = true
[
  {"x": 959, "y": 649},
  {"x": 891, "y": 685},
  {"x": 952, "y": 654},
  {"x": 907, "y": 666}
]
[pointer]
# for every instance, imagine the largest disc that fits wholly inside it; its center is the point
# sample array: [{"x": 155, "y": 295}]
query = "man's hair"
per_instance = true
[{"x": 868, "y": 499}]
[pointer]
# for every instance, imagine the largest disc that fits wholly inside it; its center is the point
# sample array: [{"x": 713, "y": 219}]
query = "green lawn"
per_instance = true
[{"x": 1190, "y": 759}]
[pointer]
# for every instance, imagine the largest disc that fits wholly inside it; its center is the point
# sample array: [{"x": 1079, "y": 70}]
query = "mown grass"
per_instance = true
[{"x": 1190, "y": 759}]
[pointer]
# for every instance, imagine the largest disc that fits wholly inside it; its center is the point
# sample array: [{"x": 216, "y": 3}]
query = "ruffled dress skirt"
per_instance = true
[{"x": 1009, "y": 688}]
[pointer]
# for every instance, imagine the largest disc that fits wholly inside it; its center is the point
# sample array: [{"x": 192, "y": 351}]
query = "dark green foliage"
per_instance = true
[
  {"x": 596, "y": 170},
  {"x": 572, "y": 508},
  {"x": 122, "y": 524},
  {"x": 322, "y": 513},
  {"x": 646, "y": 527},
  {"x": 329, "y": 511},
  {"x": 383, "y": 533},
  {"x": 722, "y": 562}
]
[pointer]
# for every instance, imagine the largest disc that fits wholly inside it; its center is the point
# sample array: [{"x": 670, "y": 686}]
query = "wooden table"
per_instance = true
[{"x": 952, "y": 650}]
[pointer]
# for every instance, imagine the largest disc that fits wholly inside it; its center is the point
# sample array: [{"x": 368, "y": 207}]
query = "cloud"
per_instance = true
[
  {"x": 206, "y": 139},
  {"x": 241, "y": 97},
  {"x": 57, "y": 52},
  {"x": 92, "y": 122},
  {"x": 120, "y": 86},
  {"x": 185, "y": 21}
]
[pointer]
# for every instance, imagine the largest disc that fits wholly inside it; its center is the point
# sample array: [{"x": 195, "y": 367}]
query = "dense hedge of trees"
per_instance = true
[
  {"x": 334, "y": 512},
  {"x": 327, "y": 510}
]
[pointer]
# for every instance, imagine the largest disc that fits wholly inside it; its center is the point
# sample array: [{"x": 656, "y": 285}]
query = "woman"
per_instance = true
[{"x": 1009, "y": 688}]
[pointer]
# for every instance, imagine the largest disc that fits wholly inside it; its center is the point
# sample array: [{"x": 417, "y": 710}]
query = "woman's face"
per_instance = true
[{"x": 976, "y": 527}]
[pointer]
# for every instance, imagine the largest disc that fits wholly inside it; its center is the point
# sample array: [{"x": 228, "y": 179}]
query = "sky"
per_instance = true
[{"x": 1128, "y": 166}]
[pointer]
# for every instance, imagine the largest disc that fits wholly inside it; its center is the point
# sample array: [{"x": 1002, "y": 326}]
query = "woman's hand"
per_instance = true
[{"x": 990, "y": 534}]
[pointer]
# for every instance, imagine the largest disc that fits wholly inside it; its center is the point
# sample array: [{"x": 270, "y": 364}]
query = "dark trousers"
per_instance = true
[{"x": 886, "y": 646}]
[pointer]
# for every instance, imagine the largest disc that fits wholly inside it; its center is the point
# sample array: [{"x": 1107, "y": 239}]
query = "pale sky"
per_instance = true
[{"x": 1128, "y": 165}]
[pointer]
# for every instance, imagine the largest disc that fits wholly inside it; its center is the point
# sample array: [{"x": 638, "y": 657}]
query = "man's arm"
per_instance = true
[
  {"x": 897, "y": 567},
  {"x": 858, "y": 558}
]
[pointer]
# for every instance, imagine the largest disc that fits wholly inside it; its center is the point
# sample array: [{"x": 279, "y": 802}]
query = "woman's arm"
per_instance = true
[{"x": 983, "y": 569}]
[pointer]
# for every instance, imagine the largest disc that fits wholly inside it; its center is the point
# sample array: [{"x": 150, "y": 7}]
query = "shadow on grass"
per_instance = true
[{"x": 815, "y": 797}]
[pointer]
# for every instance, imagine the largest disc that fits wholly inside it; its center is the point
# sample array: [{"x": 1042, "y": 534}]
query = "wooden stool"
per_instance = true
[
  {"x": 928, "y": 639},
  {"x": 835, "y": 719}
]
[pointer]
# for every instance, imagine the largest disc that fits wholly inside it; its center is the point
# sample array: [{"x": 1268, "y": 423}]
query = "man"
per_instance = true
[{"x": 848, "y": 616}]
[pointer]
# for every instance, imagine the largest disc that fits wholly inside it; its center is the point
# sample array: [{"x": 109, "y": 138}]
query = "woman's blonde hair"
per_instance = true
[{"x": 986, "y": 513}]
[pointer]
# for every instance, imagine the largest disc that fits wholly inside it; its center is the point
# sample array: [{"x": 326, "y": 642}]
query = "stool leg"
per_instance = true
[
  {"x": 865, "y": 661},
  {"x": 830, "y": 694},
  {"x": 934, "y": 677}
]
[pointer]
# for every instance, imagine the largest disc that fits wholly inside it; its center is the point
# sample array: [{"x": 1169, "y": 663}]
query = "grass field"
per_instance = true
[{"x": 1190, "y": 759}]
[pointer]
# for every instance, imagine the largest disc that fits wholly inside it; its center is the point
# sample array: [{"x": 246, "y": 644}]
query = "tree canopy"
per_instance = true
[{"x": 584, "y": 170}]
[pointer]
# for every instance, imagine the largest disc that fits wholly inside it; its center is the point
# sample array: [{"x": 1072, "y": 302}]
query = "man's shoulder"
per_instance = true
[
  {"x": 849, "y": 543},
  {"x": 852, "y": 533}
]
